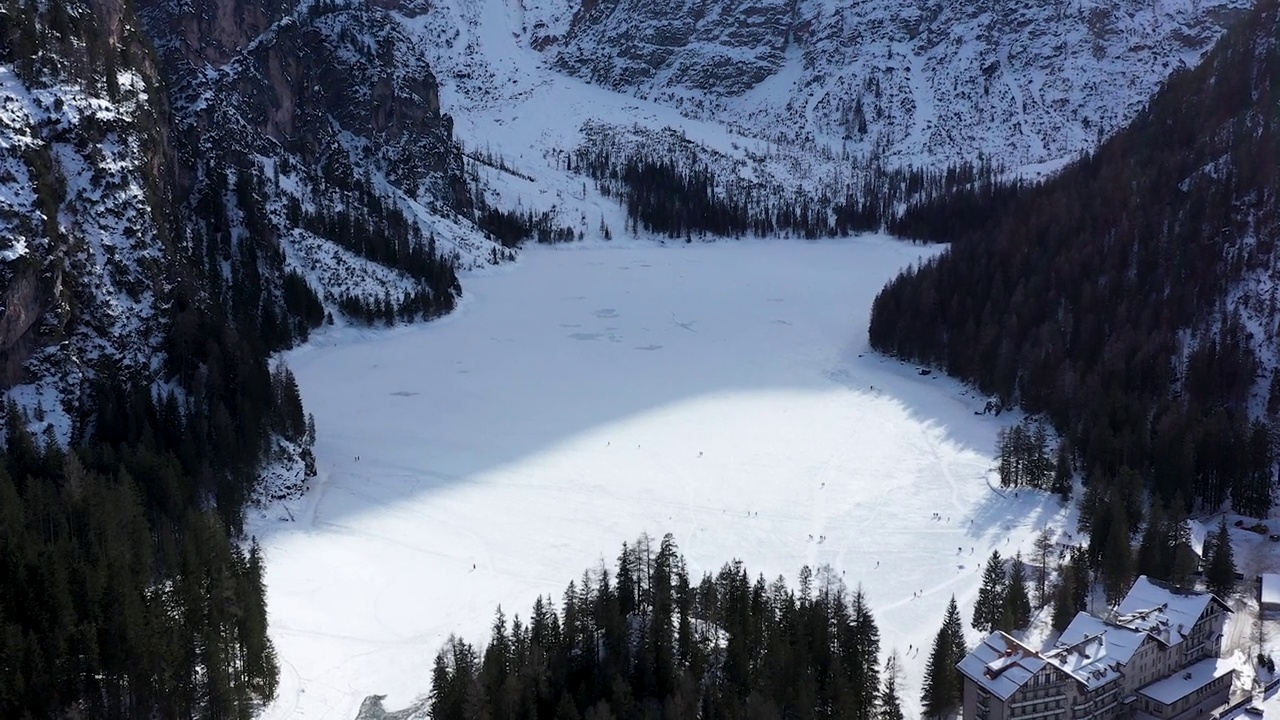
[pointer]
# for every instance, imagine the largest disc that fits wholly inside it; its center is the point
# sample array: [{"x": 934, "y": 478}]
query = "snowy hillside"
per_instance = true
[
  {"x": 925, "y": 82},
  {"x": 83, "y": 263}
]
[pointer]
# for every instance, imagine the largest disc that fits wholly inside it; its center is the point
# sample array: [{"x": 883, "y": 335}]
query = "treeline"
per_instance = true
[
  {"x": 646, "y": 642},
  {"x": 386, "y": 310},
  {"x": 345, "y": 210},
  {"x": 342, "y": 208},
  {"x": 512, "y": 227},
  {"x": 683, "y": 197},
  {"x": 1097, "y": 298}
]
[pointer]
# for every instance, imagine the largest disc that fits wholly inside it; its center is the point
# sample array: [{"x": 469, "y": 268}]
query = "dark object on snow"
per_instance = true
[{"x": 924, "y": 371}]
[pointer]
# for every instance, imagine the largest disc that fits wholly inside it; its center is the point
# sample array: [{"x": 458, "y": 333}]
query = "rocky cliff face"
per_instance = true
[
  {"x": 85, "y": 241},
  {"x": 271, "y": 77},
  {"x": 919, "y": 81},
  {"x": 138, "y": 151}
]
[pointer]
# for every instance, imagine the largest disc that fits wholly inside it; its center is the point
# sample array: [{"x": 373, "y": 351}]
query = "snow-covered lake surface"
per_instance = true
[{"x": 724, "y": 393}]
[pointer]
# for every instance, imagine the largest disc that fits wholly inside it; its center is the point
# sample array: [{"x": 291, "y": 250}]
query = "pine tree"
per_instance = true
[
  {"x": 1220, "y": 574},
  {"x": 1117, "y": 558},
  {"x": 1016, "y": 600},
  {"x": 986, "y": 611},
  {"x": 1155, "y": 550},
  {"x": 863, "y": 655},
  {"x": 1061, "y": 485},
  {"x": 1063, "y": 609},
  {"x": 1041, "y": 469},
  {"x": 889, "y": 705},
  {"x": 942, "y": 687},
  {"x": 1184, "y": 556},
  {"x": 1043, "y": 547},
  {"x": 566, "y": 710}
]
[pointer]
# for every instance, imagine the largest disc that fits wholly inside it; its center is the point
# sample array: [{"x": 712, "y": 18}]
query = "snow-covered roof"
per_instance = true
[
  {"x": 1094, "y": 651},
  {"x": 1165, "y": 611},
  {"x": 1270, "y": 589},
  {"x": 1001, "y": 664},
  {"x": 1175, "y": 687}
]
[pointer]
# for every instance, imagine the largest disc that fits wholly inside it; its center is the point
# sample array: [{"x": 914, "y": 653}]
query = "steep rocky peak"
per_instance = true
[
  {"x": 916, "y": 81},
  {"x": 216, "y": 31}
]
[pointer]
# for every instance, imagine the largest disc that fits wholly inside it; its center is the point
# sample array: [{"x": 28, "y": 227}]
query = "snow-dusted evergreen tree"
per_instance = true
[
  {"x": 990, "y": 604},
  {"x": 1220, "y": 572},
  {"x": 1044, "y": 549},
  {"x": 1016, "y": 601}
]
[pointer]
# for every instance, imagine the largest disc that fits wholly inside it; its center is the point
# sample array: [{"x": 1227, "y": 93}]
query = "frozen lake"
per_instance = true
[{"x": 724, "y": 393}]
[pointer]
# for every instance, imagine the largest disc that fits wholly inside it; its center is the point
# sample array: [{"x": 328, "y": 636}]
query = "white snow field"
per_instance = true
[{"x": 721, "y": 392}]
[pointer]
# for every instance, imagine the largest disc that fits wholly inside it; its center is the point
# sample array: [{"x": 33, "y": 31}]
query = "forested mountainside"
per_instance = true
[
  {"x": 181, "y": 197},
  {"x": 1132, "y": 298},
  {"x": 123, "y": 474},
  {"x": 926, "y": 82}
]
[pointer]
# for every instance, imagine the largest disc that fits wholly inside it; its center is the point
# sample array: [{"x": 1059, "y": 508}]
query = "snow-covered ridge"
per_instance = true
[
  {"x": 82, "y": 255},
  {"x": 921, "y": 82}
]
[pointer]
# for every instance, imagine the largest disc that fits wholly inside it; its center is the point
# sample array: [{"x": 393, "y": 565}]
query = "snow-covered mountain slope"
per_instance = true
[
  {"x": 337, "y": 105},
  {"x": 925, "y": 82},
  {"x": 84, "y": 243}
]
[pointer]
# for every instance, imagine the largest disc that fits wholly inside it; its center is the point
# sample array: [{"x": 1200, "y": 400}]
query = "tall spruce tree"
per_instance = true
[
  {"x": 1016, "y": 601},
  {"x": 1117, "y": 558},
  {"x": 1044, "y": 549},
  {"x": 941, "y": 691},
  {"x": 990, "y": 604},
  {"x": 1061, "y": 484},
  {"x": 1184, "y": 556},
  {"x": 1220, "y": 574},
  {"x": 1155, "y": 550},
  {"x": 1072, "y": 591},
  {"x": 862, "y": 653}
]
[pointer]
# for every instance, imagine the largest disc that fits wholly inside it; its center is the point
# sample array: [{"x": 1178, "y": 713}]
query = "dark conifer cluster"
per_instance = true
[
  {"x": 1003, "y": 602},
  {"x": 645, "y": 641},
  {"x": 1071, "y": 593},
  {"x": 687, "y": 197},
  {"x": 1023, "y": 459},
  {"x": 512, "y": 227},
  {"x": 1097, "y": 297},
  {"x": 346, "y": 211},
  {"x": 122, "y": 596}
]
